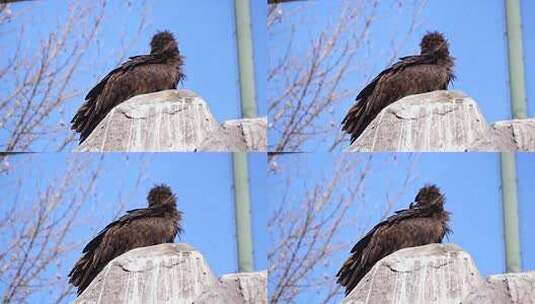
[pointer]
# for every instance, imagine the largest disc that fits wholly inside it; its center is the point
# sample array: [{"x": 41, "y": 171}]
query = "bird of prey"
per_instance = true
[
  {"x": 160, "y": 70},
  {"x": 425, "y": 222},
  {"x": 157, "y": 224},
  {"x": 430, "y": 71}
]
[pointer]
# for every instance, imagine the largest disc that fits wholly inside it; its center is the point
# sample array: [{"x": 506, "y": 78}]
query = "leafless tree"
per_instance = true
[
  {"x": 38, "y": 82},
  {"x": 306, "y": 229},
  {"x": 39, "y": 227},
  {"x": 306, "y": 82}
]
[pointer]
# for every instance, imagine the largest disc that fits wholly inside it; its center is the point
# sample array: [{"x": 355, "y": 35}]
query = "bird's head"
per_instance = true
[
  {"x": 434, "y": 42},
  {"x": 163, "y": 43},
  {"x": 161, "y": 195},
  {"x": 428, "y": 196}
]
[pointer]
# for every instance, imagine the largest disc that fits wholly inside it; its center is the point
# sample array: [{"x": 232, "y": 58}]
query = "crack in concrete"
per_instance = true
[
  {"x": 391, "y": 267},
  {"x": 513, "y": 135},
  {"x": 145, "y": 269},
  {"x": 170, "y": 112},
  {"x": 441, "y": 113}
]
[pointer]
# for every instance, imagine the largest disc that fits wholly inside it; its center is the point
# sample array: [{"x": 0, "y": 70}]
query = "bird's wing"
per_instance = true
[
  {"x": 108, "y": 243},
  {"x": 352, "y": 270},
  {"x": 103, "y": 97},
  {"x": 131, "y": 63},
  {"x": 128, "y": 217},
  {"x": 375, "y": 245},
  {"x": 375, "y": 96}
]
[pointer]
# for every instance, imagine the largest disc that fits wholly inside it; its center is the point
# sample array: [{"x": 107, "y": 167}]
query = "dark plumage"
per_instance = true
[
  {"x": 160, "y": 70},
  {"x": 430, "y": 71},
  {"x": 425, "y": 222},
  {"x": 157, "y": 224}
]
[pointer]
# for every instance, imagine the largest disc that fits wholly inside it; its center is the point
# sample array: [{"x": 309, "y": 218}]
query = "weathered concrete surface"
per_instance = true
[
  {"x": 170, "y": 273},
  {"x": 172, "y": 120},
  {"x": 440, "y": 274},
  {"x": 247, "y": 134},
  {"x": 419, "y": 275},
  {"x": 250, "y": 286},
  {"x": 521, "y": 132},
  {"x": 441, "y": 121},
  {"x": 510, "y": 288}
]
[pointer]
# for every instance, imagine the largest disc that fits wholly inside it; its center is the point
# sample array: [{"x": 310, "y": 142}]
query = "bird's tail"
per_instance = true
[
  {"x": 79, "y": 274},
  {"x": 353, "y": 121}
]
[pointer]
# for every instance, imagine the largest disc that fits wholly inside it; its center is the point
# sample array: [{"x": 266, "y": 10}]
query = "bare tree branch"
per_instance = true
[
  {"x": 39, "y": 83},
  {"x": 39, "y": 228},
  {"x": 36, "y": 231}
]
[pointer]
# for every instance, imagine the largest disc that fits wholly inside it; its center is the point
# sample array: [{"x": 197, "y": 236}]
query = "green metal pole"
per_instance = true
[
  {"x": 508, "y": 160},
  {"x": 243, "y": 212},
  {"x": 516, "y": 59},
  {"x": 245, "y": 58},
  {"x": 239, "y": 159},
  {"x": 510, "y": 213}
]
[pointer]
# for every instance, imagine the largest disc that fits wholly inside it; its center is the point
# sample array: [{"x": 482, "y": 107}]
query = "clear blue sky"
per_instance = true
[
  {"x": 202, "y": 182},
  {"x": 476, "y": 32},
  {"x": 205, "y": 31},
  {"x": 471, "y": 183}
]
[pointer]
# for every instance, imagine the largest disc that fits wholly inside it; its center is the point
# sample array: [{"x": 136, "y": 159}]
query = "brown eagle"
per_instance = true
[
  {"x": 157, "y": 224},
  {"x": 430, "y": 71},
  {"x": 425, "y": 222},
  {"x": 160, "y": 70}
]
